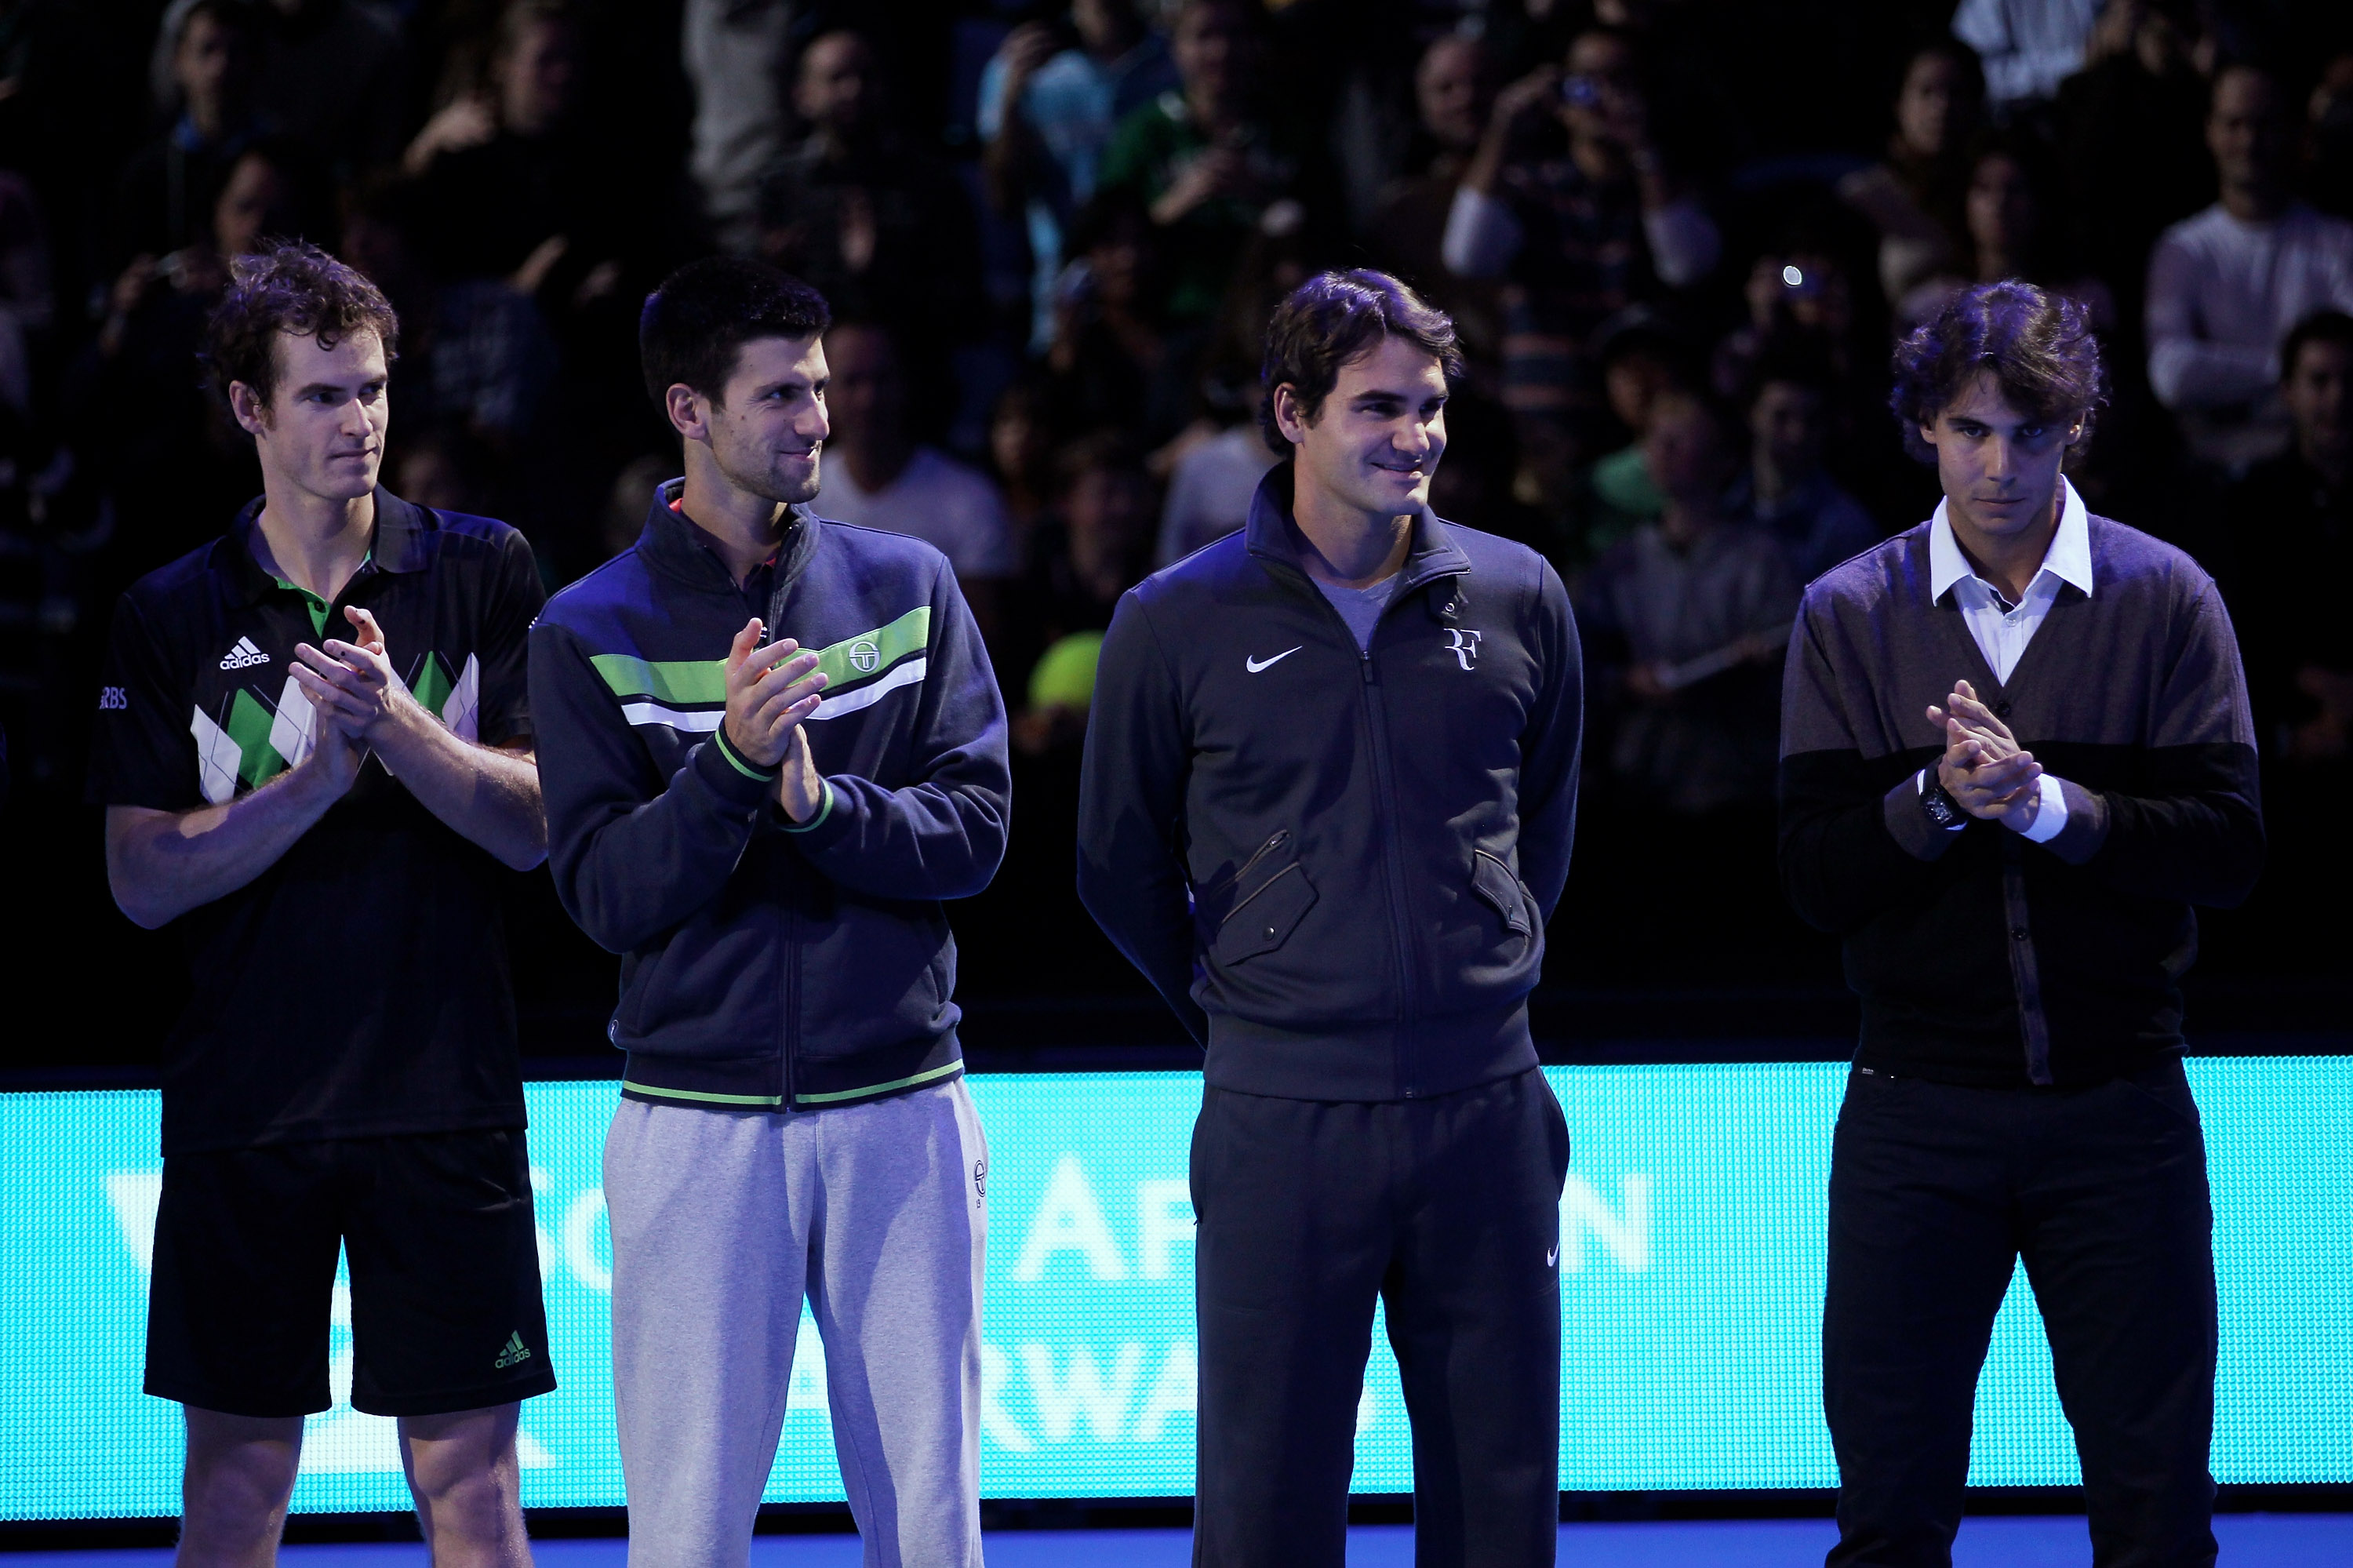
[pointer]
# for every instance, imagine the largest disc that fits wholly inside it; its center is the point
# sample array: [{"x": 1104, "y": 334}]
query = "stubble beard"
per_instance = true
[{"x": 772, "y": 482}]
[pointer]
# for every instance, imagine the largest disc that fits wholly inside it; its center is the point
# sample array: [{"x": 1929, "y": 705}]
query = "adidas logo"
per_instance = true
[
  {"x": 244, "y": 653},
  {"x": 515, "y": 1354}
]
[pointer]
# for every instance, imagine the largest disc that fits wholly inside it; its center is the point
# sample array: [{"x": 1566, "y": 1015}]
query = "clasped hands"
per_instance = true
[
  {"x": 1984, "y": 769},
  {"x": 770, "y": 691},
  {"x": 358, "y": 697}
]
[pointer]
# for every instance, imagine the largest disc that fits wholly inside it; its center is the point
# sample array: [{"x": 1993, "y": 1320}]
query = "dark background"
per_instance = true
[{"x": 106, "y": 473}]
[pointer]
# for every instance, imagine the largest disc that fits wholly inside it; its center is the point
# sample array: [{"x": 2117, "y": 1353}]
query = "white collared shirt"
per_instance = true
[{"x": 2002, "y": 630}]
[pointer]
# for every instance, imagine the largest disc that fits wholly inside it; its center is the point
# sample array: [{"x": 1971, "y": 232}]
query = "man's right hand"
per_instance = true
[
  {"x": 1983, "y": 782},
  {"x": 769, "y": 691},
  {"x": 1025, "y": 48},
  {"x": 335, "y": 759}
]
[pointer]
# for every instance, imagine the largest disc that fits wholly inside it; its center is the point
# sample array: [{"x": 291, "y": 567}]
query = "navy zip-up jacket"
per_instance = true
[
  {"x": 765, "y": 963},
  {"x": 1335, "y": 864}
]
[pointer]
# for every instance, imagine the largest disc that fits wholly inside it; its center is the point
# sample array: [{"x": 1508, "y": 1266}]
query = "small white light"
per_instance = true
[{"x": 1792, "y": 277}]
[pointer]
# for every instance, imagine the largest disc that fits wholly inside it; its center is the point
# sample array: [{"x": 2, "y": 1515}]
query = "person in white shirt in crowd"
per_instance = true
[
  {"x": 2028, "y": 47},
  {"x": 734, "y": 53},
  {"x": 2224, "y": 287},
  {"x": 881, "y": 477}
]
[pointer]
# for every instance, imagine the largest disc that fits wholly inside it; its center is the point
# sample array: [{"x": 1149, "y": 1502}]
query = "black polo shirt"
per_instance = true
[{"x": 359, "y": 986}]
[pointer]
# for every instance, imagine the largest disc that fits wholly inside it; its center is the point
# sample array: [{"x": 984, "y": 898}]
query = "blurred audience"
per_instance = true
[
  {"x": 1913, "y": 195},
  {"x": 1114, "y": 357},
  {"x": 2008, "y": 231},
  {"x": 1454, "y": 91},
  {"x": 1684, "y": 622},
  {"x": 2329, "y": 180},
  {"x": 1786, "y": 491},
  {"x": 878, "y": 475},
  {"x": 859, "y": 211},
  {"x": 1054, "y": 234},
  {"x": 1641, "y": 362},
  {"x": 2129, "y": 138},
  {"x": 517, "y": 189},
  {"x": 1686, "y": 613},
  {"x": 1093, "y": 548},
  {"x": 2290, "y": 553},
  {"x": 164, "y": 201},
  {"x": 1212, "y": 161},
  {"x": 2224, "y": 287},
  {"x": 1049, "y": 100},
  {"x": 335, "y": 78},
  {"x": 734, "y": 53},
  {"x": 474, "y": 353},
  {"x": 2028, "y": 47},
  {"x": 1580, "y": 230}
]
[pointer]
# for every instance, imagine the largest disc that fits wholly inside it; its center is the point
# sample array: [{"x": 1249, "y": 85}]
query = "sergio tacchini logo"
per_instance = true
[{"x": 864, "y": 656}]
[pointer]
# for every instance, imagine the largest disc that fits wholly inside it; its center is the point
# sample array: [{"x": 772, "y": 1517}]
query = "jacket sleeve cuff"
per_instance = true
[
  {"x": 826, "y": 797},
  {"x": 2087, "y": 824},
  {"x": 732, "y": 779},
  {"x": 1908, "y": 824}
]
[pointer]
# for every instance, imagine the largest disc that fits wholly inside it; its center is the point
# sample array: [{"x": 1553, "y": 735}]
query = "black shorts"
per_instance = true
[{"x": 446, "y": 1311}]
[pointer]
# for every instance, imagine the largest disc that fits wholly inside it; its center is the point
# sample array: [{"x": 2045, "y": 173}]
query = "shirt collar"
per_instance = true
[
  {"x": 396, "y": 545},
  {"x": 1272, "y": 533},
  {"x": 2069, "y": 558}
]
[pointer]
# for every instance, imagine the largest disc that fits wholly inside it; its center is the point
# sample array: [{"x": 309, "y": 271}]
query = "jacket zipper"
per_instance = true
[
  {"x": 1385, "y": 806},
  {"x": 789, "y": 917},
  {"x": 1378, "y": 739}
]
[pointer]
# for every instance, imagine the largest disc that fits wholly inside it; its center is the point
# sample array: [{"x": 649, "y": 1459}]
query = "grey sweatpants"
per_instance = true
[{"x": 722, "y": 1221}]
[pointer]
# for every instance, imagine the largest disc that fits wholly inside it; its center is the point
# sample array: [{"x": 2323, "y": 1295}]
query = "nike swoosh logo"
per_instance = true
[
  {"x": 1255, "y": 665},
  {"x": 1552, "y": 1257}
]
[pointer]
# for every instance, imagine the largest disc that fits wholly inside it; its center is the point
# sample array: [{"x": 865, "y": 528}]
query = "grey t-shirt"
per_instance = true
[{"x": 1360, "y": 608}]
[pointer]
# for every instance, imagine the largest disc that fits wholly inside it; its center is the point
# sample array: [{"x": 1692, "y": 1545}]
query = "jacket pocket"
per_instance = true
[
  {"x": 1263, "y": 918},
  {"x": 1492, "y": 881}
]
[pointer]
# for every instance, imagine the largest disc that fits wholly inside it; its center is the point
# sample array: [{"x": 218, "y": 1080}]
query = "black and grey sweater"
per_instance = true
[{"x": 1980, "y": 958}]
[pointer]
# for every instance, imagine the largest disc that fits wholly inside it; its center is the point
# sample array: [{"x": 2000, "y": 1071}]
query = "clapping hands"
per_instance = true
[{"x": 1984, "y": 769}]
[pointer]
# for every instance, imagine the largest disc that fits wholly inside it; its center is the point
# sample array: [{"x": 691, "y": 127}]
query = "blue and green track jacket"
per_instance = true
[{"x": 766, "y": 964}]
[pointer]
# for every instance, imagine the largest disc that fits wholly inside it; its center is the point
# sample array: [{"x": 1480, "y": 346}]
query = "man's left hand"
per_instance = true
[
  {"x": 800, "y": 788},
  {"x": 1984, "y": 769},
  {"x": 353, "y": 685}
]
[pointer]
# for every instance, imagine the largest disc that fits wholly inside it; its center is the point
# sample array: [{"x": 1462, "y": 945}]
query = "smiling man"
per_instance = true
[
  {"x": 771, "y": 745},
  {"x": 1330, "y": 779},
  {"x": 314, "y": 751},
  {"x": 2015, "y": 752}
]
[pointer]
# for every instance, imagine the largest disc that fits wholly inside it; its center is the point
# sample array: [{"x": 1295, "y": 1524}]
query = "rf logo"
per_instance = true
[
  {"x": 864, "y": 656},
  {"x": 1464, "y": 646}
]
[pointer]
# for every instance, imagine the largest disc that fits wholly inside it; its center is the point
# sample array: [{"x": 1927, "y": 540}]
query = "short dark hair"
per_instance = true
[
  {"x": 1953, "y": 52},
  {"x": 2038, "y": 346},
  {"x": 288, "y": 288},
  {"x": 694, "y": 326},
  {"x": 2320, "y": 326},
  {"x": 1334, "y": 319}
]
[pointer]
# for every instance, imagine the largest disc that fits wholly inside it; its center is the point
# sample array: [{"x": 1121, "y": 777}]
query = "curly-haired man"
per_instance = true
[
  {"x": 2015, "y": 752},
  {"x": 314, "y": 752}
]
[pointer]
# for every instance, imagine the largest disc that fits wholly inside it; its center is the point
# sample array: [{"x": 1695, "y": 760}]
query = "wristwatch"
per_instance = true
[{"x": 1942, "y": 808}]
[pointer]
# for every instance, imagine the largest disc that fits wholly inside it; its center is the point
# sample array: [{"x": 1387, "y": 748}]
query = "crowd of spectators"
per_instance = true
[{"x": 1678, "y": 238}]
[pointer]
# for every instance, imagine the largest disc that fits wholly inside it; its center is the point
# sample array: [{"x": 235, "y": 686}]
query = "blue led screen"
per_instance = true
[{"x": 1690, "y": 1285}]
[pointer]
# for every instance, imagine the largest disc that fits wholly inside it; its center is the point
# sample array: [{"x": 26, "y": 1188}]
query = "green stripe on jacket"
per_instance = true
[{"x": 703, "y": 681}]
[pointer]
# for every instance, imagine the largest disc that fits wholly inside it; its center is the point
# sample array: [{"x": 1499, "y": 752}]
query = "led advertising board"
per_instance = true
[{"x": 1691, "y": 1235}]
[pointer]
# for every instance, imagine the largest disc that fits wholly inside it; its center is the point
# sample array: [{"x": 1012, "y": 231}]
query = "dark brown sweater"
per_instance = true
[{"x": 1980, "y": 958}]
